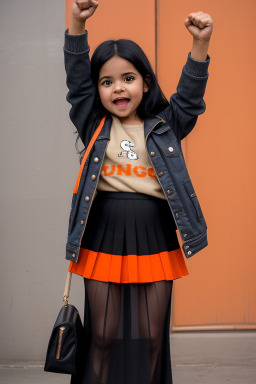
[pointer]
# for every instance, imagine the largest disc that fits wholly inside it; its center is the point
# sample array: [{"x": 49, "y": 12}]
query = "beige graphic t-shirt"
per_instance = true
[{"x": 126, "y": 166}]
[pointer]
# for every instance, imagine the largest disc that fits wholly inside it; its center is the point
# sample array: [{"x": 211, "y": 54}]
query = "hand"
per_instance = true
[
  {"x": 83, "y": 9},
  {"x": 200, "y": 25}
]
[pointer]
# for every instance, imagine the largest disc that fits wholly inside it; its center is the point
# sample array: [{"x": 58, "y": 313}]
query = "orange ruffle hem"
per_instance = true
[{"x": 131, "y": 268}]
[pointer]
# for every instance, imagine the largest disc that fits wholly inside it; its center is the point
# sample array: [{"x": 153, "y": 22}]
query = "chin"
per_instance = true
[{"x": 121, "y": 114}]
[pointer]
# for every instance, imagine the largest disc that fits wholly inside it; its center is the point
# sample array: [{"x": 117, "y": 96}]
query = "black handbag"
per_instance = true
[{"x": 66, "y": 347}]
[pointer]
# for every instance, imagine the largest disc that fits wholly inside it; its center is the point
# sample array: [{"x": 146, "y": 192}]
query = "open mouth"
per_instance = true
[{"x": 122, "y": 102}]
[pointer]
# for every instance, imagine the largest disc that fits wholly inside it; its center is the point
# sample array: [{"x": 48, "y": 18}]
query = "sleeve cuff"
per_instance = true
[
  {"x": 197, "y": 68},
  {"x": 76, "y": 43}
]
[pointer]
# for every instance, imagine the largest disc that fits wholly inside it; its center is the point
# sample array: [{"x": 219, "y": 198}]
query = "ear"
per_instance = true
[{"x": 146, "y": 83}]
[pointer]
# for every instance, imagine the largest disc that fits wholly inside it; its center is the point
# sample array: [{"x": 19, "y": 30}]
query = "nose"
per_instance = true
[{"x": 119, "y": 87}]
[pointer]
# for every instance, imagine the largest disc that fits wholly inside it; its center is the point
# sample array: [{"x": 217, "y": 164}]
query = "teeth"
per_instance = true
[{"x": 122, "y": 98}]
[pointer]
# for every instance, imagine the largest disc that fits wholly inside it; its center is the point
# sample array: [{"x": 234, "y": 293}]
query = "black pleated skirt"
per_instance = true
[{"x": 129, "y": 258}]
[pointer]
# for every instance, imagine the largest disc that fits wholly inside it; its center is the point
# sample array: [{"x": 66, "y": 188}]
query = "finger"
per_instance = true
[
  {"x": 94, "y": 3},
  {"x": 198, "y": 21},
  {"x": 192, "y": 18},
  {"x": 205, "y": 21},
  {"x": 196, "y": 15},
  {"x": 192, "y": 15},
  {"x": 76, "y": 3},
  {"x": 84, "y": 4}
]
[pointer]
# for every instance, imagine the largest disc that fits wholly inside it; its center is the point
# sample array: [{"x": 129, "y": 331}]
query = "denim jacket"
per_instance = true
[{"x": 163, "y": 135}]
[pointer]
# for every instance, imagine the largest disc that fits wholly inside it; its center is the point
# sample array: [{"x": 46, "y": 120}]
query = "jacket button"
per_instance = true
[
  {"x": 169, "y": 191},
  {"x": 93, "y": 177},
  {"x": 73, "y": 255},
  {"x": 185, "y": 234},
  {"x": 160, "y": 174},
  {"x": 87, "y": 198},
  {"x": 96, "y": 159},
  {"x": 170, "y": 149},
  {"x": 152, "y": 153},
  {"x": 81, "y": 221},
  {"x": 189, "y": 252}
]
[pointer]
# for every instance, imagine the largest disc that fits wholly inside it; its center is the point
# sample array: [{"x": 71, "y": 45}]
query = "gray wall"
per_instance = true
[{"x": 39, "y": 166}]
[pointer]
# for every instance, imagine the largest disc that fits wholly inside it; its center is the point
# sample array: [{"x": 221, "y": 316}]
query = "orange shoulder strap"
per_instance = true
[{"x": 94, "y": 137}]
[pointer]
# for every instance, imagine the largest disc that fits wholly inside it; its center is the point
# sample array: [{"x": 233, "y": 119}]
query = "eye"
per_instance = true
[
  {"x": 106, "y": 81},
  {"x": 129, "y": 77}
]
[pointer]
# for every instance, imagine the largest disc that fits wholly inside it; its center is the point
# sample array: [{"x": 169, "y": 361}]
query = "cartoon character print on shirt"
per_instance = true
[
  {"x": 128, "y": 169},
  {"x": 126, "y": 146}
]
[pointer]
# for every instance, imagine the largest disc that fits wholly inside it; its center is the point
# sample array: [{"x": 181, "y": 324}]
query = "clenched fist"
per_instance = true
[
  {"x": 83, "y": 9},
  {"x": 200, "y": 25}
]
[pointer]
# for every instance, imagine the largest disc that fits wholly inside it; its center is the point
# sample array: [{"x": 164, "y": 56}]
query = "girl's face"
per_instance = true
[{"x": 121, "y": 89}]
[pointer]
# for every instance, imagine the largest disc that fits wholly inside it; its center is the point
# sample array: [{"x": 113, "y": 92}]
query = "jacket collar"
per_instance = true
[{"x": 149, "y": 124}]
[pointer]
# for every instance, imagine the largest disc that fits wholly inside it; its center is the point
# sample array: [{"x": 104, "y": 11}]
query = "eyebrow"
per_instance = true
[{"x": 124, "y": 74}]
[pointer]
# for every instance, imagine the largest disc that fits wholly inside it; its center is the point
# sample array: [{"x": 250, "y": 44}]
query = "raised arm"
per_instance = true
[
  {"x": 188, "y": 103},
  {"x": 82, "y": 91}
]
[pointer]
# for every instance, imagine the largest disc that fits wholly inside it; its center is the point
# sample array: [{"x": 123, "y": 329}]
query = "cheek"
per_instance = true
[
  {"x": 138, "y": 92},
  {"x": 104, "y": 95}
]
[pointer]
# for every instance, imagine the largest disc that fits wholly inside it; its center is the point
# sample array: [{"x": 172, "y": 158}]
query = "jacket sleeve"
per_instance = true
[
  {"x": 81, "y": 92},
  {"x": 187, "y": 103}
]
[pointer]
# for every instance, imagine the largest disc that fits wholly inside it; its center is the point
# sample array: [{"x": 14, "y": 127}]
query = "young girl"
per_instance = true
[{"x": 129, "y": 253}]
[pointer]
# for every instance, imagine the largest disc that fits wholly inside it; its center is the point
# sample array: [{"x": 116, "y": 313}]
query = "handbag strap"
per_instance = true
[{"x": 88, "y": 149}]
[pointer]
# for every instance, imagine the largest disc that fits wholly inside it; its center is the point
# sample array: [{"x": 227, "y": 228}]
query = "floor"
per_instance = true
[{"x": 197, "y": 358}]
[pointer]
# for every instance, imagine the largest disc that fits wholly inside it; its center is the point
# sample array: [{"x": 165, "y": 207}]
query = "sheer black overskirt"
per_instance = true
[{"x": 127, "y": 333}]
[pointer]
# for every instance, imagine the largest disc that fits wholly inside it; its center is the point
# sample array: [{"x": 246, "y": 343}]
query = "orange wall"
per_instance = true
[
  {"x": 111, "y": 21},
  {"x": 220, "y": 290}
]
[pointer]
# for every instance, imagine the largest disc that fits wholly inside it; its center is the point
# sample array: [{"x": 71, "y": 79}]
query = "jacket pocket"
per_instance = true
[
  {"x": 172, "y": 151},
  {"x": 193, "y": 197}
]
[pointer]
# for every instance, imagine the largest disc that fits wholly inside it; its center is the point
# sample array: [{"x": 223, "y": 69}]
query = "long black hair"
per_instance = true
[{"x": 153, "y": 101}]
